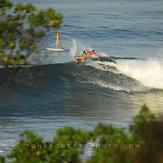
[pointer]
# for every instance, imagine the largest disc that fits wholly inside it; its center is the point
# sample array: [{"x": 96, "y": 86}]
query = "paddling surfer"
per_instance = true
[{"x": 57, "y": 36}]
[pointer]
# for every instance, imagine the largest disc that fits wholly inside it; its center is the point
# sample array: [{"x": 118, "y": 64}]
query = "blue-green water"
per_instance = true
[{"x": 46, "y": 97}]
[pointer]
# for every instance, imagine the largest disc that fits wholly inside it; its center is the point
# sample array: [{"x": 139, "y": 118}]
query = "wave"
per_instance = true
[
  {"x": 125, "y": 75},
  {"x": 131, "y": 74},
  {"x": 148, "y": 72},
  {"x": 116, "y": 73},
  {"x": 64, "y": 79}
]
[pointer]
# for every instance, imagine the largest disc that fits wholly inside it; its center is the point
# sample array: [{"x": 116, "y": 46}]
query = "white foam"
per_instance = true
[
  {"x": 73, "y": 49},
  {"x": 78, "y": 47},
  {"x": 109, "y": 85},
  {"x": 101, "y": 65},
  {"x": 148, "y": 72},
  {"x": 102, "y": 54}
]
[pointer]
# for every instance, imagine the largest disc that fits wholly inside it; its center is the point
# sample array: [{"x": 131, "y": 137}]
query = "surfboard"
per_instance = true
[{"x": 57, "y": 50}]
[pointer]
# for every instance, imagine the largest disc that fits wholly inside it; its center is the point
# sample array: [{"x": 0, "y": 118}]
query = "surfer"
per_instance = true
[
  {"x": 86, "y": 54},
  {"x": 89, "y": 53},
  {"x": 57, "y": 36},
  {"x": 57, "y": 43}
]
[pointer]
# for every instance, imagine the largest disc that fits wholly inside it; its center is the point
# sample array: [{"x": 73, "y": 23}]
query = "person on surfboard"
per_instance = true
[
  {"x": 57, "y": 36},
  {"x": 86, "y": 54},
  {"x": 57, "y": 43}
]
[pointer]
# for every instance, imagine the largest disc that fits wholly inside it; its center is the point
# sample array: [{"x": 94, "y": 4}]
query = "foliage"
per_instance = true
[
  {"x": 22, "y": 26},
  {"x": 149, "y": 131},
  {"x": 2, "y": 159},
  {"x": 65, "y": 147},
  {"x": 143, "y": 143}
]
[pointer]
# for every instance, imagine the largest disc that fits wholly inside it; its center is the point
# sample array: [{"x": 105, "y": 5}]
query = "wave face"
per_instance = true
[{"x": 120, "y": 74}]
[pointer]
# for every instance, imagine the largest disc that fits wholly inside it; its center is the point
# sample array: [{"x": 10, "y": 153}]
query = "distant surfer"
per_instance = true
[
  {"x": 57, "y": 43},
  {"x": 86, "y": 54},
  {"x": 57, "y": 36}
]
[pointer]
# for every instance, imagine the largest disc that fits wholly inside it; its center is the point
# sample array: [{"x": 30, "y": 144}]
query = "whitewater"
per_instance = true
[{"x": 149, "y": 72}]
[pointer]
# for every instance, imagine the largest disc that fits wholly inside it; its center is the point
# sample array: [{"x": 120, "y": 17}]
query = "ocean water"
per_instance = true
[{"x": 58, "y": 92}]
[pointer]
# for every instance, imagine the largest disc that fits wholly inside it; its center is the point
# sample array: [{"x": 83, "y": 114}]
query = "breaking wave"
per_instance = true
[
  {"x": 123, "y": 74},
  {"x": 130, "y": 74}
]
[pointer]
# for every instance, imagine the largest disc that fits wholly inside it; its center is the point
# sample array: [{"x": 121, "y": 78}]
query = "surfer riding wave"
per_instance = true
[{"x": 86, "y": 54}]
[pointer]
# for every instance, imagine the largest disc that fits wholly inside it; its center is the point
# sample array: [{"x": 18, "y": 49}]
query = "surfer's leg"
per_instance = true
[
  {"x": 57, "y": 40},
  {"x": 57, "y": 44}
]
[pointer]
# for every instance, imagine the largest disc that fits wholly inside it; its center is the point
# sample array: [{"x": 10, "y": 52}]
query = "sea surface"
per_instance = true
[{"x": 57, "y": 91}]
